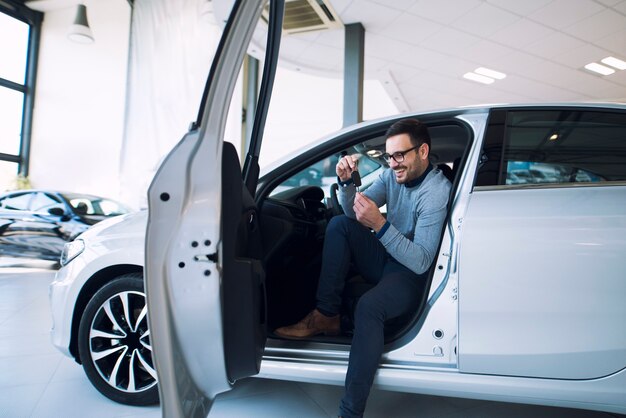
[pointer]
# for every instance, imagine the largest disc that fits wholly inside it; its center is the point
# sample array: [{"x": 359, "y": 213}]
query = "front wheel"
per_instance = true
[{"x": 114, "y": 342}]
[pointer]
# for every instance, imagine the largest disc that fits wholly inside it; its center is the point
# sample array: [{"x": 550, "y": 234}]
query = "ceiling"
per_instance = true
[{"x": 420, "y": 49}]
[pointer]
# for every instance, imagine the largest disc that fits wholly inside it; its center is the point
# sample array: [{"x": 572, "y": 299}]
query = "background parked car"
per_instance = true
[{"x": 38, "y": 223}]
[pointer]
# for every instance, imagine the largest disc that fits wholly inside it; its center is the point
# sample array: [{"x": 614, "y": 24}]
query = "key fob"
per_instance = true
[{"x": 356, "y": 178}]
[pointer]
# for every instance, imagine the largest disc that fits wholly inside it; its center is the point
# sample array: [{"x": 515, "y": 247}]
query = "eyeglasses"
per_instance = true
[{"x": 398, "y": 156}]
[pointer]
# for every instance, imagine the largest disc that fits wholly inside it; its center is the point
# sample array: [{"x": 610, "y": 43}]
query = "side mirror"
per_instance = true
[{"x": 56, "y": 211}]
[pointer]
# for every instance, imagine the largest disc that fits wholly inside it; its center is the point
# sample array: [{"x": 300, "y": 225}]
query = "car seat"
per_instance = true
[{"x": 81, "y": 208}]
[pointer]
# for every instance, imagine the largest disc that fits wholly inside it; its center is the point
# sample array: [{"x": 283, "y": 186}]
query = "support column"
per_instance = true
[
  {"x": 353, "y": 74},
  {"x": 34, "y": 20}
]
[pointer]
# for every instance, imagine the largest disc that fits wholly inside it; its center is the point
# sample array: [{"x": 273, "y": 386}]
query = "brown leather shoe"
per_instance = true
[{"x": 314, "y": 323}]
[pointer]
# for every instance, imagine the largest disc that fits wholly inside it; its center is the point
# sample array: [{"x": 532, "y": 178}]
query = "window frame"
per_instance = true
[{"x": 32, "y": 18}]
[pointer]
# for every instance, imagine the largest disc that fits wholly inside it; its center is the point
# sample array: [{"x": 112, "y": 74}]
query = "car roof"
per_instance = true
[{"x": 56, "y": 192}]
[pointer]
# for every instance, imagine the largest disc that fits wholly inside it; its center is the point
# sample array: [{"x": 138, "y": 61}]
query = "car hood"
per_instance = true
[{"x": 127, "y": 226}]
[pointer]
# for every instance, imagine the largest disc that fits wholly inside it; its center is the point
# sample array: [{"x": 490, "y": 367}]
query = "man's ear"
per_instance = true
[{"x": 424, "y": 150}]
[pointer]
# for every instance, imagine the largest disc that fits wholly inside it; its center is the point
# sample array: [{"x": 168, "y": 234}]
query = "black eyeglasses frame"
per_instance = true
[{"x": 398, "y": 156}]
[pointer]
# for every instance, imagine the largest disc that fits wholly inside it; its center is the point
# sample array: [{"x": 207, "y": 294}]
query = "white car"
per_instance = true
[
  {"x": 525, "y": 300},
  {"x": 99, "y": 309}
]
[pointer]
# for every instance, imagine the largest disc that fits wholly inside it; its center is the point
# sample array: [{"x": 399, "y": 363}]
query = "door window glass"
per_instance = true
[
  {"x": 111, "y": 208},
  {"x": 323, "y": 174},
  {"x": 564, "y": 146},
  {"x": 84, "y": 205},
  {"x": 16, "y": 202}
]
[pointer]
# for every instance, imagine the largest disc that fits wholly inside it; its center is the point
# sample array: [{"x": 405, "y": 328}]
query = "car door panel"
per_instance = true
[
  {"x": 541, "y": 282},
  {"x": 21, "y": 233},
  {"x": 203, "y": 287},
  {"x": 28, "y": 233},
  {"x": 171, "y": 274}
]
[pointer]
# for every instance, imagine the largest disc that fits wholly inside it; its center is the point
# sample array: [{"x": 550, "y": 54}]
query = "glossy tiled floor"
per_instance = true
[{"x": 37, "y": 381}]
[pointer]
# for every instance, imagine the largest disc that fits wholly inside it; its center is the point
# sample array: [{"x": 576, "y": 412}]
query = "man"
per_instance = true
[{"x": 393, "y": 253}]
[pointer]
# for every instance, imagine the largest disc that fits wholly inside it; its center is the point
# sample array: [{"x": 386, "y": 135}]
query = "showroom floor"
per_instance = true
[{"x": 37, "y": 381}]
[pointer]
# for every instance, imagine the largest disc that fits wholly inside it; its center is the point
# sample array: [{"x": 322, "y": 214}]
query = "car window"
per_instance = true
[
  {"x": 554, "y": 146},
  {"x": 564, "y": 146},
  {"x": 88, "y": 205},
  {"x": 42, "y": 202},
  {"x": 82, "y": 206},
  {"x": 449, "y": 141},
  {"x": 108, "y": 207},
  {"x": 323, "y": 174},
  {"x": 16, "y": 201}
]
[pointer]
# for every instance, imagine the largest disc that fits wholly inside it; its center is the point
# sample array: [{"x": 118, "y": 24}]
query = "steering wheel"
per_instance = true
[{"x": 336, "y": 209}]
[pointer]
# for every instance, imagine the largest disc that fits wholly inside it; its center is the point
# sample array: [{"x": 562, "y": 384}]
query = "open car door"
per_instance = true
[{"x": 203, "y": 275}]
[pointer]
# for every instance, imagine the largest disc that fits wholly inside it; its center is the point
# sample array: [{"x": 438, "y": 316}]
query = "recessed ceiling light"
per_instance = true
[
  {"x": 478, "y": 78},
  {"x": 490, "y": 73},
  {"x": 554, "y": 137},
  {"x": 614, "y": 62},
  {"x": 600, "y": 69}
]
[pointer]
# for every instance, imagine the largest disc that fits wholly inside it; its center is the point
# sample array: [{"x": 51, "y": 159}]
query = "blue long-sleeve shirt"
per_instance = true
[{"x": 415, "y": 215}]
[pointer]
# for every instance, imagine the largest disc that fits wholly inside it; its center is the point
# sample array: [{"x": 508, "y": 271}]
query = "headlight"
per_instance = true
[{"x": 71, "y": 250}]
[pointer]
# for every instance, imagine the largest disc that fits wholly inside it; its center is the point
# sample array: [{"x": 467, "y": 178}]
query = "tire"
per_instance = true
[{"x": 116, "y": 352}]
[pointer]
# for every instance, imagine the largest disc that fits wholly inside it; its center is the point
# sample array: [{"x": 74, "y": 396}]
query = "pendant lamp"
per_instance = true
[{"x": 80, "y": 31}]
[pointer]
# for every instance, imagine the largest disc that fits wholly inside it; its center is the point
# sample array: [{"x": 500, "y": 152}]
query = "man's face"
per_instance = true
[{"x": 415, "y": 162}]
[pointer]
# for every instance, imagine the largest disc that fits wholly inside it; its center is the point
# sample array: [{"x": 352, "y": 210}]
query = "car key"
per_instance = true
[{"x": 356, "y": 179}]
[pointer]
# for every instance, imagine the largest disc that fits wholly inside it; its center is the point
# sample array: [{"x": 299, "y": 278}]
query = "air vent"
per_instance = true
[{"x": 307, "y": 16}]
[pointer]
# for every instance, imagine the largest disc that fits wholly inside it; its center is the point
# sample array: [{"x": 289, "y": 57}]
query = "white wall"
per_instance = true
[
  {"x": 80, "y": 101},
  {"x": 172, "y": 47}
]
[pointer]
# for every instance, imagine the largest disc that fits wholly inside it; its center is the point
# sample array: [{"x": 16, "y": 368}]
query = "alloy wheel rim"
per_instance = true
[{"x": 119, "y": 343}]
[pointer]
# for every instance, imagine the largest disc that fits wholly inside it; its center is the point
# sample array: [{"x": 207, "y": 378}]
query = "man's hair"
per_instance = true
[{"x": 416, "y": 130}]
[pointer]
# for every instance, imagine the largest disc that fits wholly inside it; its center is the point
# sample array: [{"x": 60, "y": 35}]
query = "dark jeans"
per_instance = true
[{"x": 397, "y": 291}]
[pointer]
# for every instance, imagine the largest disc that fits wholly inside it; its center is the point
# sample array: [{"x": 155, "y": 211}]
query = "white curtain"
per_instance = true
[{"x": 172, "y": 44}]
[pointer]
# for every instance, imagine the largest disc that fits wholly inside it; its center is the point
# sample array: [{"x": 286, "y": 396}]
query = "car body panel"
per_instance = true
[
  {"x": 114, "y": 242},
  {"x": 542, "y": 282},
  {"x": 36, "y": 233},
  {"x": 604, "y": 394},
  {"x": 171, "y": 273},
  {"x": 29, "y": 234}
]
